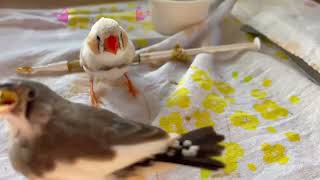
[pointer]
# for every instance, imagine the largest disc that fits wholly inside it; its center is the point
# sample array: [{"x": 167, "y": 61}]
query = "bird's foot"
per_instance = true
[
  {"x": 95, "y": 101},
  {"x": 132, "y": 90}
]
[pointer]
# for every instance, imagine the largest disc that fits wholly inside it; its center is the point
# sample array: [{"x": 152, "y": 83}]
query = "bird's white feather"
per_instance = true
[
  {"x": 95, "y": 61},
  {"x": 126, "y": 155},
  {"x": 99, "y": 61}
]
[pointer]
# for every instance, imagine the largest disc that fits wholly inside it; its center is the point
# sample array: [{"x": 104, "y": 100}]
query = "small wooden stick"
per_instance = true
[
  {"x": 153, "y": 56},
  {"x": 64, "y": 66},
  {"x": 146, "y": 58}
]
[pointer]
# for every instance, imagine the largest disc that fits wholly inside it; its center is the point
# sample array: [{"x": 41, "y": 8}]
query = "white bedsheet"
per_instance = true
[{"x": 263, "y": 104}]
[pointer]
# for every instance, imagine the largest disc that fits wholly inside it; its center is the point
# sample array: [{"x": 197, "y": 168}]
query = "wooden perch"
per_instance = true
[{"x": 144, "y": 58}]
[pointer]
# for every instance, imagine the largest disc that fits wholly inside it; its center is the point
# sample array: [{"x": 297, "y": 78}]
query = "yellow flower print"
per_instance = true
[
  {"x": 292, "y": 136},
  {"x": 127, "y": 16},
  {"x": 202, "y": 78},
  {"x": 244, "y": 120},
  {"x": 252, "y": 167},
  {"x": 203, "y": 119},
  {"x": 179, "y": 98},
  {"x": 130, "y": 28},
  {"x": 215, "y": 103},
  {"x": 271, "y": 130},
  {"x": 73, "y": 11},
  {"x": 114, "y": 8},
  {"x": 147, "y": 25},
  {"x": 118, "y": 16},
  {"x": 274, "y": 154},
  {"x": 258, "y": 94},
  {"x": 182, "y": 82},
  {"x": 173, "y": 123},
  {"x": 76, "y": 21},
  {"x": 224, "y": 88},
  {"x": 247, "y": 79},
  {"x": 270, "y": 110},
  {"x": 231, "y": 100},
  {"x": 142, "y": 42},
  {"x": 205, "y": 174},
  {"x": 102, "y": 10},
  {"x": 132, "y": 4},
  {"x": 187, "y": 118},
  {"x": 232, "y": 154},
  {"x": 267, "y": 82},
  {"x": 237, "y": 21},
  {"x": 281, "y": 55},
  {"x": 294, "y": 99},
  {"x": 235, "y": 74}
]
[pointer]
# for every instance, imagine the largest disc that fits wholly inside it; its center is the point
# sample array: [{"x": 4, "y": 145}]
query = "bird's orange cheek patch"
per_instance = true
[{"x": 93, "y": 44}]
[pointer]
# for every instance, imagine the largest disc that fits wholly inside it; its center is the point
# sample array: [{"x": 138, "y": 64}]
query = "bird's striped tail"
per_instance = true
[{"x": 195, "y": 148}]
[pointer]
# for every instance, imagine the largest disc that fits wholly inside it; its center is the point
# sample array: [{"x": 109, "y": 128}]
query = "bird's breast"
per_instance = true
[
  {"x": 125, "y": 155},
  {"x": 102, "y": 61}
]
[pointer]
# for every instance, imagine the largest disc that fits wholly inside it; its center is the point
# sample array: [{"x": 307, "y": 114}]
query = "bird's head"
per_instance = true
[
  {"x": 107, "y": 36},
  {"x": 26, "y": 105}
]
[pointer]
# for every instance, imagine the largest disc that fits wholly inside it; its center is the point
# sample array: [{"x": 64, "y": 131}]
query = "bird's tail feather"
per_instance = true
[{"x": 195, "y": 148}]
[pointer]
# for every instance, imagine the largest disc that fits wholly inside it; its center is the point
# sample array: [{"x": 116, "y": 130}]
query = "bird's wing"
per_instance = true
[
  {"x": 106, "y": 126},
  {"x": 122, "y": 131},
  {"x": 79, "y": 132}
]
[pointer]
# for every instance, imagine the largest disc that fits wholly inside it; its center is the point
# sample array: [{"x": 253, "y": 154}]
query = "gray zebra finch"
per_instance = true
[{"x": 55, "y": 139}]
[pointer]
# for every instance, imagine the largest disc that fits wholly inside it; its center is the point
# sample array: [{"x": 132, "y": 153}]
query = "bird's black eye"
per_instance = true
[
  {"x": 121, "y": 40},
  {"x": 98, "y": 38},
  {"x": 31, "y": 94}
]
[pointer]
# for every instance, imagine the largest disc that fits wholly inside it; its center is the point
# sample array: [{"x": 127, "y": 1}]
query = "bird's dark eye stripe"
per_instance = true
[{"x": 31, "y": 94}]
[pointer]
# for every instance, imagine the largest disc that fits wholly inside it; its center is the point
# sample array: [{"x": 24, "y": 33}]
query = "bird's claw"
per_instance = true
[
  {"x": 132, "y": 90},
  {"x": 95, "y": 101}
]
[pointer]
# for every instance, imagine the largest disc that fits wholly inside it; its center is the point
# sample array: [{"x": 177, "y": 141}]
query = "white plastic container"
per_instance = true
[{"x": 172, "y": 16}]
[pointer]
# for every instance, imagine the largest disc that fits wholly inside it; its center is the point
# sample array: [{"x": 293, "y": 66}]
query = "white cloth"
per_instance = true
[
  {"x": 293, "y": 24},
  {"x": 214, "y": 90}
]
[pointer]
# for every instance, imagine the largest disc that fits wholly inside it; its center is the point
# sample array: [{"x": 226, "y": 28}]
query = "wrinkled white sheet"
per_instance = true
[
  {"x": 292, "y": 24},
  {"x": 230, "y": 82}
]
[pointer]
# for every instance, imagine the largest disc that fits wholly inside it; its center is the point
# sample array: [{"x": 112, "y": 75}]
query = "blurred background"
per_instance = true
[{"x": 51, "y": 3}]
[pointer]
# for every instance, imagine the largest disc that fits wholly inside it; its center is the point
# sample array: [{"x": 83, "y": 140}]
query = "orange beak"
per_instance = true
[
  {"x": 111, "y": 44},
  {"x": 8, "y": 99}
]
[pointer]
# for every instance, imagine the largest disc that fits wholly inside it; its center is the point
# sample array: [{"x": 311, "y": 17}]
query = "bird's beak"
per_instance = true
[
  {"x": 111, "y": 44},
  {"x": 8, "y": 100}
]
